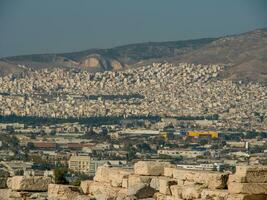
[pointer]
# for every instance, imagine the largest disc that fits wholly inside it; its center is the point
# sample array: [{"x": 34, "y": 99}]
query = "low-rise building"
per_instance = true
[
  {"x": 178, "y": 152},
  {"x": 86, "y": 164},
  {"x": 80, "y": 163}
]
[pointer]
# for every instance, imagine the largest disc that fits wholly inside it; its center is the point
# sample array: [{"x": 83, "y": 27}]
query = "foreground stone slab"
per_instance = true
[
  {"x": 124, "y": 183},
  {"x": 117, "y": 175},
  {"x": 103, "y": 190},
  {"x": 19, "y": 195},
  {"x": 214, "y": 194},
  {"x": 4, "y": 194},
  {"x": 102, "y": 174},
  {"x": 30, "y": 183},
  {"x": 168, "y": 171},
  {"x": 150, "y": 168},
  {"x": 249, "y": 174},
  {"x": 225, "y": 195},
  {"x": 159, "y": 196},
  {"x": 111, "y": 175},
  {"x": 123, "y": 195},
  {"x": 134, "y": 180},
  {"x": 247, "y": 188},
  {"x": 176, "y": 191},
  {"x": 56, "y": 191},
  {"x": 192, "y": 192},
  {"x": 213, "y": 180},
  {"x": 154, "y": 183},
  {"x": 85, "y": 186}
]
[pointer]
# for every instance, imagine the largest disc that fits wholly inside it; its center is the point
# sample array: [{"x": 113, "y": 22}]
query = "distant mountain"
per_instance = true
[
  {"x": 245, "y": 53},
  {"x": 106, "y": 59}
]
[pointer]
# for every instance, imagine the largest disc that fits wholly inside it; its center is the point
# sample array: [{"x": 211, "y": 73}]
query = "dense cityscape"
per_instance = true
[
  {"x": 133, "y": 100},
  {"x": 68, "y": 125},
  {"x": 161, "y": 89}
]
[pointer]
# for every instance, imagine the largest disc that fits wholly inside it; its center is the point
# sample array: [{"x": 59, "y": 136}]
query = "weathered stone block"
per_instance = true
[
  {"x": 31, "y": 183},
  {"x": 85, "y": 186},
  {"x": 155, "y": 183},
  {"x": 176, "y": 191},
  {"x": 102, "y": 174},
  {"x": 168, "y": 171},
  {"x": 117, "y": 175},
  {"x": 208, "y": 194},
  {"x": 191, "y": 192},
  {"x": 214, "y": 194},
  {"x": 249, "y": 174},
  {"x": 114, "y": 176},
  {"x": 159, "y": 196},
  {"x": 124, "y": 183},
  {"x": 213, "y": 180},
  {"x": 122, "y": 194},
  {"x": 247, "y": 188},
  {"x": 4, "y": 194},
  {"x": 134, "y": 180},
  {"x": 246, "y": 197},
  {"x": 56, "y": 191},
  {"x": 164, "y": 185},
  {"x": 151, "y": 168},
  {"x": 83, "y": 197},
  {"x": 103, "y": 190}
]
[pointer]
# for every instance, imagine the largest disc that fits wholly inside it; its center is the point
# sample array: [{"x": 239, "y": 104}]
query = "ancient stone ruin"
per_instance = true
[{"x": 149, "y": 180}]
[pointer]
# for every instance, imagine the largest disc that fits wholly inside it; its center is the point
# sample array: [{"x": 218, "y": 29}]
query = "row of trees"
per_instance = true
[{"x": 98, "y": 120}]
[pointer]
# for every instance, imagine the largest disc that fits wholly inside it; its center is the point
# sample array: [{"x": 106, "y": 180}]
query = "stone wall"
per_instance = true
[
  {"x": 147, "y": 180},
  {"x": 163, "y": 181}
]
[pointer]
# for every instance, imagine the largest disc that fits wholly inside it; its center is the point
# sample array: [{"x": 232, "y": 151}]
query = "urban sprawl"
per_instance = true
[{"x": 66, "y": 133}]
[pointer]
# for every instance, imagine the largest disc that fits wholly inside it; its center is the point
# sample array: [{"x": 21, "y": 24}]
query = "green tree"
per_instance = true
[
  {"x": 144, "y": 148},
  {"x": 131, "y": 154},
  {"x": 60, "y": 175}
]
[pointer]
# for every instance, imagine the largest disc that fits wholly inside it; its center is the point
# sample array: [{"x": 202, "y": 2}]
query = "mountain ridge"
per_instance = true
[{"x": 245, "y": 52}]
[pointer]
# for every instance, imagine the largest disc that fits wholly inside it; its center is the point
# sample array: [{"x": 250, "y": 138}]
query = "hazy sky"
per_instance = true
[{"x": 42, "y": 26}]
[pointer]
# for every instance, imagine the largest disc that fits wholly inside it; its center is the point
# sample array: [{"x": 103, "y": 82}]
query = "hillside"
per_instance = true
[
  {"x": 245, "y": 53},
  {"x": 106, "y": 59}
]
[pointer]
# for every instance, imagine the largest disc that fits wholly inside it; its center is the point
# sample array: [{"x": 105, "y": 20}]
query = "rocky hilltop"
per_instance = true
[
  {"x": 147, "y": 180},
  {"x": 104, "y": 59},
  {"x": 246, "y": 53}
]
